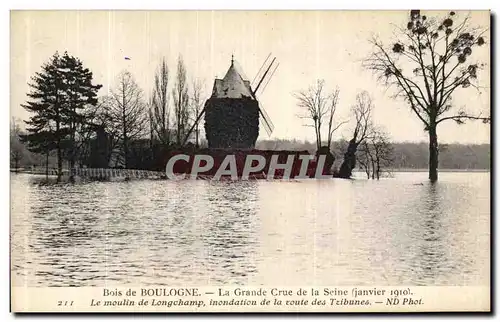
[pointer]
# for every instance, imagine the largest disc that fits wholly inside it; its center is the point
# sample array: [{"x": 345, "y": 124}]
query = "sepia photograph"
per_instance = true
[{"x": 250, "y": 161}]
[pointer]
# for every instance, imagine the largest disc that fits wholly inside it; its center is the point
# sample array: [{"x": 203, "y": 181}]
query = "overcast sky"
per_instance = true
[{"x": 309, "y": 45}]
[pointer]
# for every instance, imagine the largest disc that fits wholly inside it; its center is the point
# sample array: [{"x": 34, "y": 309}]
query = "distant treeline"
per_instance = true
[{"x": 406, "y": 155}]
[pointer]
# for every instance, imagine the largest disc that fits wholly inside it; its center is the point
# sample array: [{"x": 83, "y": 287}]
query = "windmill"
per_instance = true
[{"x": 232, "y": 112}]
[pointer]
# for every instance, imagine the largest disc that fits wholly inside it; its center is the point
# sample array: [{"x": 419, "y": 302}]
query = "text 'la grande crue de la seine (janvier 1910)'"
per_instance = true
[{"x": 240, "y": 298}]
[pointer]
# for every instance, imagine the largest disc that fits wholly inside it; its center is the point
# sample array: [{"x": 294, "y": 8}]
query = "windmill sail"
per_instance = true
[
  {"x": 263, "y": 77},
  {"x": 261, "y": 70},
  {"x": 266, "y": 120},
  {"x": 261, "y": 82},
  {"x": 263, "y": 87}
]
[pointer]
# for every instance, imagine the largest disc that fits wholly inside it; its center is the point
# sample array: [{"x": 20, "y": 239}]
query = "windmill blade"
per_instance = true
[
  {"x": 268, "y": 79},
  {"x": 197, "y": 120},
  {"x": 264, "y": 123},
  {"x": 257, "y": 76},
  {"x": 266, "y": 120},
  {"x": 263, "y": 76},
  {"x": 194, "y": 125}
]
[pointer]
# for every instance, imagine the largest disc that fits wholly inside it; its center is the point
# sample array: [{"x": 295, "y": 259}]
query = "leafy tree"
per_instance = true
[
  {"x": 46, "y": 129},
  {"x": 431, "y": 58},
  {"x": 81, "y": 99},
  {"x": 58, "y": 94}
]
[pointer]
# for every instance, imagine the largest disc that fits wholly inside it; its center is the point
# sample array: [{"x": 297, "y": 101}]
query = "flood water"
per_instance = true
[{"x": 398, "y": 231}]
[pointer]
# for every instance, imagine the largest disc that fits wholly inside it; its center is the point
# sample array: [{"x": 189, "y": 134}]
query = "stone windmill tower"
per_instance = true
[{"x": 232, "y": 112}]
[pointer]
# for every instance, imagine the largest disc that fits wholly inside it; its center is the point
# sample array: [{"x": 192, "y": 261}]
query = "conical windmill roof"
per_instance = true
[{"x": 233, "y": 85}]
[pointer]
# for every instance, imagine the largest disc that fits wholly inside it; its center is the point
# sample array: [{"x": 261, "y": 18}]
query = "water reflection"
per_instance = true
[
  {"x": 231, "y": 235},
  {"x": 431, "y": 247},
  {"x": 339, "y": 232},
  {"x": 139, "y": 233},
  {"x": 435, "y": 249}
]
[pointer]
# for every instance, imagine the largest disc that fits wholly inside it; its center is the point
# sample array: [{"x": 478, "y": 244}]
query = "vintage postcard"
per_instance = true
[{"x": 250, "y": 161}]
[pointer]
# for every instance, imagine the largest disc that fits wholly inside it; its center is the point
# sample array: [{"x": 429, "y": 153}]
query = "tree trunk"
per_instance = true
[
  {"x": 197, "y": 136},
  {"x": 72, "y": 157},
  {"x": 72, "y": 162},
  {"x": 349, "y": 162},
  {"x": 59, "y": 152},
  {"x": 47, "y": 165},
  {"x": 59, "y": 160},
  {"x": 433, "y": 154},
  {"x": 125, "y": 139},
  {"x": 163, "y": 138},
  {"x": 179, "y": 121},
  {"x": 72, "y": 171},
  {"x": 58, "y": 140},
  {"x": 317, "y": 135}
]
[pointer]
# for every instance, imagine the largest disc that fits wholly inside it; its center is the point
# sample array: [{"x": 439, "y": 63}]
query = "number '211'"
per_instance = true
[{"x": 64, "y": 303}]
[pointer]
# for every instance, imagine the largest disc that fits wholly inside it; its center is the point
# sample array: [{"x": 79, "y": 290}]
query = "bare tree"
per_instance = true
[
  {"x": 17, "y": 149},
  {"x": 375, "y": 153},
  {"x": 160, "y": 111},
  {"x": 197, "y": 106},
  {"x": 362, "y": 114},
  {"x": 382, "y": 152},
  {"x": 332, "y": 126},
  {"x": 86, "y": 131},
  {"x": 319, "y": 108},
  {"x": 127, "y": 112},
  {"x": 435, "y": 53},
  {"x": 107, "y": 127},
  {"x": 181, "y": 102},
  {"x": 365, "y": 158}
]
